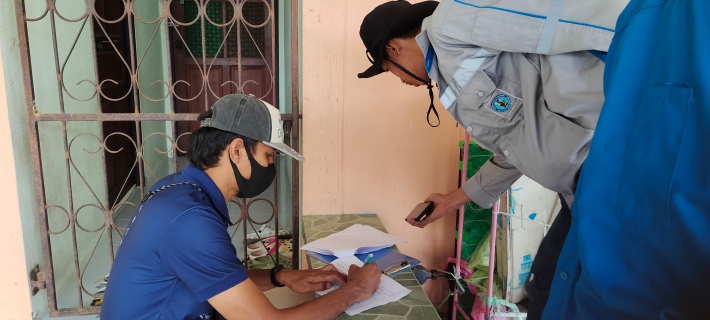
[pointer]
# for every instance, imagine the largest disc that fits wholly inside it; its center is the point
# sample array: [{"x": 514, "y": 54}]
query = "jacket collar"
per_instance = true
[{"x": 430, "y": 59}]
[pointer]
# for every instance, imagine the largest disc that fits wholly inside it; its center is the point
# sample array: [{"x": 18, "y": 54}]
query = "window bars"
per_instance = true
[{"x": 109, "y": 115}]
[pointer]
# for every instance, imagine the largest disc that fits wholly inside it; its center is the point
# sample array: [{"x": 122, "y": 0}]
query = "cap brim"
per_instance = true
[
  {"x": 371, "y": 71},
  {"x": 285, "y": 150}
]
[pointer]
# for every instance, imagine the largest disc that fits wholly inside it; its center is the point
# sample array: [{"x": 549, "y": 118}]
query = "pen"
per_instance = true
[{"x": 367, "y": 260}]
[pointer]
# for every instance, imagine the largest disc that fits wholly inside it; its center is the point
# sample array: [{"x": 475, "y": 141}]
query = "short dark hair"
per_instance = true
[
  {"x": 207, "y": 145},
  {"x": 411, "y": 32},
  {"x": 407, "y": 34}
]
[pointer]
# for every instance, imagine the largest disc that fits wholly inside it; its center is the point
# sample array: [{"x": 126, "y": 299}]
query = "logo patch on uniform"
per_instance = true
[{"x": 501, "y": 103}]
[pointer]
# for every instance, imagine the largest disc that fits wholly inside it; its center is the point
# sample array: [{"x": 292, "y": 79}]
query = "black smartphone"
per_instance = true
[{"x": 421, "y": 211}]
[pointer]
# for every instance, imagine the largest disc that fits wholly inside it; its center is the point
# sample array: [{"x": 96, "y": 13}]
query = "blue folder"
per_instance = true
[{"x": 385, "y": 259}]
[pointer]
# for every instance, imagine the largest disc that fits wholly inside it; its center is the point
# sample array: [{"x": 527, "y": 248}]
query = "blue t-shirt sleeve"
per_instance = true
[{"x": 198, "y": 250}]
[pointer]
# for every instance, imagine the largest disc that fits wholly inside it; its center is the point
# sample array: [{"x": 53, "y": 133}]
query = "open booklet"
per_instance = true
[
  {"x": 388, "y": 260},
  {"x": 388, "y": 291},
  {"x": 356, "y": 239}
]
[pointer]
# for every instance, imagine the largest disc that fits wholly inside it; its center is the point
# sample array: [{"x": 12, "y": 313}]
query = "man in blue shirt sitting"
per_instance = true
[{"x": 176, "y": 259}]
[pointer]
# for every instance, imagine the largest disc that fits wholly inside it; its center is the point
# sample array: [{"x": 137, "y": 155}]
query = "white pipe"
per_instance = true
[
  {"x": 509, "y": 314},
  {"x": 524, "y": 219}
]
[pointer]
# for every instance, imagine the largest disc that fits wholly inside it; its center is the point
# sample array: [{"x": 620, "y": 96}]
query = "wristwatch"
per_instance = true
[{"x": 274, "y": 271}]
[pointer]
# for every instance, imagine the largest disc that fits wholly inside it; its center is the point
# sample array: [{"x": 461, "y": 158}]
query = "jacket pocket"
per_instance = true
[
  {"x": 501, "y": 98},
  {"x": 476, "y": 91},
  {"x": 489, "y": 108},
  {"x": 651, "y": 154}
]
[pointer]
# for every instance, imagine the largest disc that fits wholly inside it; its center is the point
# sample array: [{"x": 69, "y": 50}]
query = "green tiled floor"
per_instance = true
[{"x": 414, "y": 306}]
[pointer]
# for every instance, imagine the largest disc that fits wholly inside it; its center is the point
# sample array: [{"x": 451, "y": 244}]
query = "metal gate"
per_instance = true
[{"x": 75, "y": 144}]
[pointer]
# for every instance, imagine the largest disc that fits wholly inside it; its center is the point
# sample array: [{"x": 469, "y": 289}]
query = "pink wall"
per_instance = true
[
  {"x": 367, "y": 143},
  {"x": 14, "y": 296}
]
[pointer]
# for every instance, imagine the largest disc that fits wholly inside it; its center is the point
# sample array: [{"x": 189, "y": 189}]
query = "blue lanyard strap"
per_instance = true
[{"x": 429, "y": 60}]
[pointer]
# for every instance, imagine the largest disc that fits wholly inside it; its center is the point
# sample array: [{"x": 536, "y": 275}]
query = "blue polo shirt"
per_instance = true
[
  {"x": 639, "y": 246},
  {"x": 175, "y": 255}
]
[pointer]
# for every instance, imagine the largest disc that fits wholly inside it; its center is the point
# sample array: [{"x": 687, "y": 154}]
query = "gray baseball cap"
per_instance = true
[{"x": 250, "y": 117}]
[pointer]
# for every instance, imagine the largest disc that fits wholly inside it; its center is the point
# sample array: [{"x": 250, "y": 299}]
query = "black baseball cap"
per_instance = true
[
  {"x": 384, "y": 23},
  {"x": 250, "y": 117}
]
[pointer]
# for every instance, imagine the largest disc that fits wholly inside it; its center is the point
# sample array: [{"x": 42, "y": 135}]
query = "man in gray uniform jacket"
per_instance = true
[{"x": 523, "y": 80}]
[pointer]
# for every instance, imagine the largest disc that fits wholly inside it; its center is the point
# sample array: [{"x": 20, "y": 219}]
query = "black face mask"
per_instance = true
[{"x": 261, "y": 178}]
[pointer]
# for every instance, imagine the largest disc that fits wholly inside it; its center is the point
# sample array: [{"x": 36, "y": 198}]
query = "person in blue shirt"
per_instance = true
[
  {"x": 176, "y": 259},
  {"x": 639, "y": 247}
]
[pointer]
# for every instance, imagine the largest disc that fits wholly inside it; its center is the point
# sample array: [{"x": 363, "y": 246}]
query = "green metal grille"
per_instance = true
[{"x": 213, "y": 34}]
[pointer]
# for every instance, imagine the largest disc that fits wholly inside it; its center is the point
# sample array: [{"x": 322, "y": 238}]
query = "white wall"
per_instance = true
[
  {"x": 14, "y": 297},
  {"x": 20, "y": 144}
]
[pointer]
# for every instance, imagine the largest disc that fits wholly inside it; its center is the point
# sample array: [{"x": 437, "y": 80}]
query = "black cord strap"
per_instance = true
[
  {"x": 431, "y": 107},
  {"x": 431, "y": 95}
]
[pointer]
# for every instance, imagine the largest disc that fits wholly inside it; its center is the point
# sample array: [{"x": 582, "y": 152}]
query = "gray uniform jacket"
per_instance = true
[{"x": 535, "y": 112}]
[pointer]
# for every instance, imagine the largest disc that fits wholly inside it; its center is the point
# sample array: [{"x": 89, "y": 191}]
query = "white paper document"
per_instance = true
[
  {"x": 355, "y": 239},
  {"x": 388, "y": 291}
]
